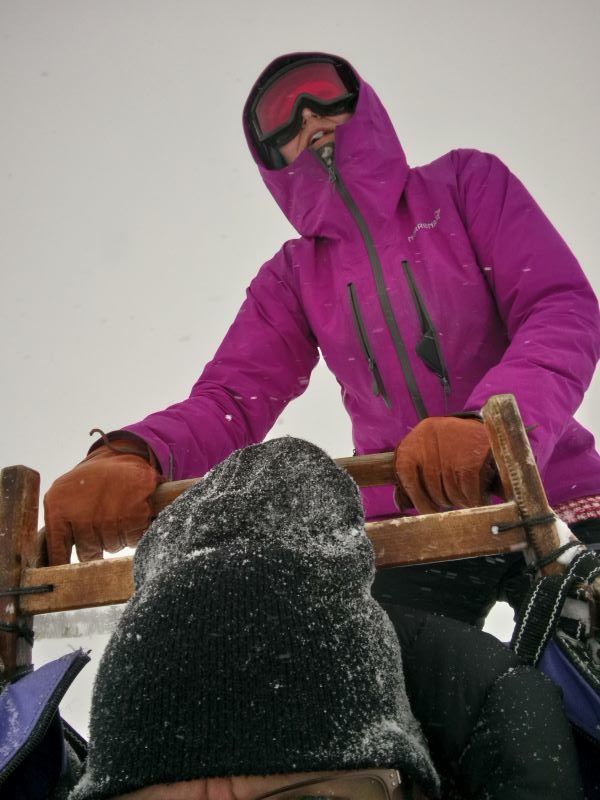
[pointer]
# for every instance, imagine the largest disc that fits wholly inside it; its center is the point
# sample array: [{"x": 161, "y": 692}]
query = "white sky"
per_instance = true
[{"x": 133, "y": 217}]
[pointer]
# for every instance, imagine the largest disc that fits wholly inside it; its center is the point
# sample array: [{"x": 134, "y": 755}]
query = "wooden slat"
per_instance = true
[
  {"x": 402, "y": 541},
  {"x": 519, "y": 474},
  {"x": 372, "y": 470},
  {"x": 465, "y": 533},
  {"x": 19, "y": 545},
  {"x": 93, "y": 583},
  {"x": 165, "y": 493}
]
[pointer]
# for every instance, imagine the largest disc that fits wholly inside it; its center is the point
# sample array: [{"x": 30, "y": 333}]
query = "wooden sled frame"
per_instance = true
[{"x": 28, "y": 587}]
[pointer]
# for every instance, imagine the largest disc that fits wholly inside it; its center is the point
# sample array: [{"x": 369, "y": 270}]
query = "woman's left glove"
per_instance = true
[
  {"x": 445, "y": 462},
  {"x": 103, "y": 503}
]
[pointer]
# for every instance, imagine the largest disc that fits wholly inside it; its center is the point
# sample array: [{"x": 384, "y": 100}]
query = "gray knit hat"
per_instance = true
[{"x": 252, "y": 644}]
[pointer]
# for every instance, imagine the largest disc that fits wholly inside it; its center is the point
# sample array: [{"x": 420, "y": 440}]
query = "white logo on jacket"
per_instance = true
[{"x": 425, "y": 225}]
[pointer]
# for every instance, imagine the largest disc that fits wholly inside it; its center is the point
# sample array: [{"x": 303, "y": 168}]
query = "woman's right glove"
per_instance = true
[
  {"x": 101, "y": 504},
  {"x": 445, "y": 462}
]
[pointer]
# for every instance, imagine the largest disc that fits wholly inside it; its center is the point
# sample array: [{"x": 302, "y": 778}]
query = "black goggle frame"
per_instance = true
[{"x": 324, "y": 108}]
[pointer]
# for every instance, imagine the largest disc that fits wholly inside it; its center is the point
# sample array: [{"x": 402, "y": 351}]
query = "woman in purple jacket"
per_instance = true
[{"x": 426, "y": 290}]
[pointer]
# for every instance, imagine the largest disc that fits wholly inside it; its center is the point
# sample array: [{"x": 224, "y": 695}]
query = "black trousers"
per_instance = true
[
  {"x": 495, "y": 727},
  {"x": 466, "y": 590}
]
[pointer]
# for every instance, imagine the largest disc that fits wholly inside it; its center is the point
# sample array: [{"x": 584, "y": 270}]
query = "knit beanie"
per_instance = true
[{"x": 252, "y": 644}]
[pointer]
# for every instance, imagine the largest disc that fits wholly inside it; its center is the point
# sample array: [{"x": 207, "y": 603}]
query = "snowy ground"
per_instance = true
[{"x": 75, "y": 707}]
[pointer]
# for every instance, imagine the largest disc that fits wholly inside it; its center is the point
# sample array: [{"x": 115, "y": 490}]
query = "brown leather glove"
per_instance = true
[
  {"x": 445, "y": 462},
  {"x": 101, "y": 504}
]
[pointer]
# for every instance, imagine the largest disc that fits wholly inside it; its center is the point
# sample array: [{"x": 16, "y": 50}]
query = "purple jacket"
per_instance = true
[{"x": 426, "y": 290}]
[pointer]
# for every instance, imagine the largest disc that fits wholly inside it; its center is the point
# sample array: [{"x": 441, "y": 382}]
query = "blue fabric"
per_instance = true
[
  {"x": 582, "y": 702},
  {"x": 32, "y": 750}
]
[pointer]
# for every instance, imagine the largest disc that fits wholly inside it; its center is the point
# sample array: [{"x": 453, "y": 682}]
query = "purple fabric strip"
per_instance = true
[
  {"x": 582, "y": 703},
  {"x": 23, "y": 703}
]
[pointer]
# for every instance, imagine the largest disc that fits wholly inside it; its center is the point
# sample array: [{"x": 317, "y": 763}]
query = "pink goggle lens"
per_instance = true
[{"x": 276, "y": 106}]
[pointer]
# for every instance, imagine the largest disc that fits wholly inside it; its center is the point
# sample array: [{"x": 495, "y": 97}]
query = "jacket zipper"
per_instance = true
[
  {"x": 47, "y": 715},
  {"x": 382, "y": 294},
  {"x": 429, "y": 348},
  {"x": 378, "y": 385}
]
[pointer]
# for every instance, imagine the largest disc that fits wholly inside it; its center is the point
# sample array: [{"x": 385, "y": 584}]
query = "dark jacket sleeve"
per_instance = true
[{"x": 496, "y": 728}]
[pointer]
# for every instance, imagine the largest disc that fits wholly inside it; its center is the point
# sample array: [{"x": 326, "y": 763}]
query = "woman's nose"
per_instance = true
[{"x": 308, "y": 113}]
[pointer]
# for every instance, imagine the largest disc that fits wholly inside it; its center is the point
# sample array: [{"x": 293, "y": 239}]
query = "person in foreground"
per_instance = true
[
  {"x": 244, "y": 668},
  {"x": 426, "y": 290}
]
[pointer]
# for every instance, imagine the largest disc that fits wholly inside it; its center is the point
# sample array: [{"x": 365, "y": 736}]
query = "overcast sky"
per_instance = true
[{"x": 133, "y": 217}]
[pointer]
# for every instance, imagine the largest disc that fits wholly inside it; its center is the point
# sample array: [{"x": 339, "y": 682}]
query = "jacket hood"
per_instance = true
[{"x": 368, "y": 157}]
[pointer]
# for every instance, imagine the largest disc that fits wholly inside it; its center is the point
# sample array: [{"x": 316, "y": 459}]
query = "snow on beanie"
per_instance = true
[{"x": 252, "y": 644}]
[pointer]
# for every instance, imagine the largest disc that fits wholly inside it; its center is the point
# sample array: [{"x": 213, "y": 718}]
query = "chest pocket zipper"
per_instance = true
[
  {"x": 378, "y": 385},
  {"x": 428, "y": 349}
]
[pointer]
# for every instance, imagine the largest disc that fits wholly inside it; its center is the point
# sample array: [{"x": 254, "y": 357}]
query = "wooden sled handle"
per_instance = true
[
  {"x": 512, "y": 452},
  {"x": 400, "y": 541}
]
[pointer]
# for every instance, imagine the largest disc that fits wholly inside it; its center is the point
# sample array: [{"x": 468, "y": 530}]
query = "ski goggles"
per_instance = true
[
  {"x": 373, "y": 784},
  {"x": 325, "y": 85}
]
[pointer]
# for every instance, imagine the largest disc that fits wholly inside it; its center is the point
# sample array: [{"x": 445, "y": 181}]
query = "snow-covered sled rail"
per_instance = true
[{"x": 524, "y": 522}]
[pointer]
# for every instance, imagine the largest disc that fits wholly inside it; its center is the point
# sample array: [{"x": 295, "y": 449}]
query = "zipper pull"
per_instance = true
[
  {"x": 375, "y": 387},
  {"x": 325, "y": 156},
  {"x": 446, "y": 388},
  {"x": 378, "y": 387}
]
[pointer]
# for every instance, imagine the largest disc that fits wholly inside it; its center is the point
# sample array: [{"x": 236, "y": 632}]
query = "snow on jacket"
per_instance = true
[{"x": 457, "y": 250}]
